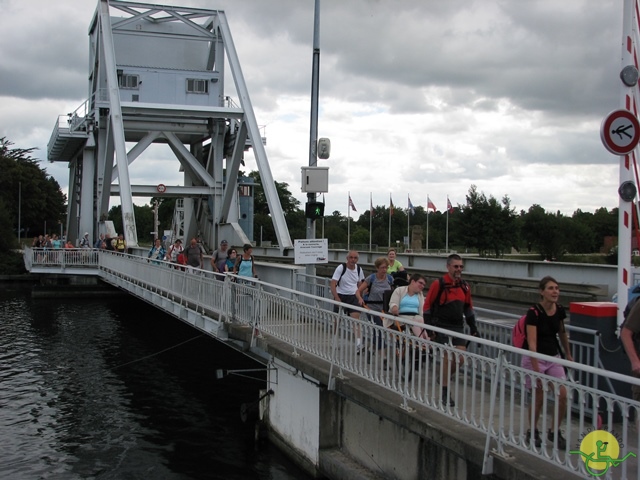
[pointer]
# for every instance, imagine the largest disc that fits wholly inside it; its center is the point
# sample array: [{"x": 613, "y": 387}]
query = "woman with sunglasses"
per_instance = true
[{"x": 231, "y": 260}]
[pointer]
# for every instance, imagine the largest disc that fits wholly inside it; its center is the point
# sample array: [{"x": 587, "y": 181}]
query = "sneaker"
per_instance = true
[
  {"x": 537, "y": 438},
  {"x": 562, "y": 443},
  {"x": 446, "y": 399},
  {"x": 359, "y": 348}
]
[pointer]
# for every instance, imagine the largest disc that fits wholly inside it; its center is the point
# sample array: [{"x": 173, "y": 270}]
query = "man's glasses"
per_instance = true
[
  {"x": 458, "y": 267},
  {"x": 354, "y": 258},
  {"x": 422, "y": 283}
]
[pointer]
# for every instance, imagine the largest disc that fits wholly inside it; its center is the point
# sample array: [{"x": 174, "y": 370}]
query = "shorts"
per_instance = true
[
  {"x": 552, "y": 369},
  {"x": 348, "y": 299},
  {"x": 455, "y": 341}
]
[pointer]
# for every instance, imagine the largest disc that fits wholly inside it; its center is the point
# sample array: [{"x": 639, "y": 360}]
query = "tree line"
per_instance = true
[{"x": 483, "y": 224}]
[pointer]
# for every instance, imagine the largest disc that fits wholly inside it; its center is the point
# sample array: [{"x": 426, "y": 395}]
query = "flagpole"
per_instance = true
[
  {"x": 349, "y": 223},
  {"x": 408, "y": 221},
  {"x": 427, "y": 224},
  {"x": 447, "y": 230},
  {"x": 390, "y": 210},
  {"x": 370, "y": 217}
]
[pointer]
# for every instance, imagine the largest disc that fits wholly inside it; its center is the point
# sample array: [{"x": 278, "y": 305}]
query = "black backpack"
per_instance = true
[
  {"x": 239, "y": 261},
  {"x": 344, "y": 270},
  {"x": 442, "y": 287},
  {"x": 386, "y": 295}
]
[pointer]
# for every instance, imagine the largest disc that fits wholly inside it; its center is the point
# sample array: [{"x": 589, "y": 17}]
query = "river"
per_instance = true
[{"x": 111, "y": 388}]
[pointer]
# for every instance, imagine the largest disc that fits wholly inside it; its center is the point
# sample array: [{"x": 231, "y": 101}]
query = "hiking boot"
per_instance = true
[
  {"x": 537, "y": 438},
  {"x": 562, "y": 443},
  {"x": 446, "y": 399}
]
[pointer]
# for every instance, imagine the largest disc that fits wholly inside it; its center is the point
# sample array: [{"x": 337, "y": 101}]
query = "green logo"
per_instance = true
[{"x": 600, "y": 450}]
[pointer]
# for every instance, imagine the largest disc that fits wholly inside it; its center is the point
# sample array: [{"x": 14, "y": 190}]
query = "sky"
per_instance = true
[{"x": 418, "y": 97}]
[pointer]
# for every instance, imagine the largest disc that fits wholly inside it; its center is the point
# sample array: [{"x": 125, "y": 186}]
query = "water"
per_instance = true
[{"x": 85, "y": 394}]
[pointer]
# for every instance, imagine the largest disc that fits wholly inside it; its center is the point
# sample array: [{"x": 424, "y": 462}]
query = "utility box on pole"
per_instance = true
[{"x": 315, "y": 179}]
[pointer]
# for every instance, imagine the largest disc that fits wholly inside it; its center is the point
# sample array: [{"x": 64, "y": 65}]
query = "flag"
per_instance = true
[
  {"x": 370, "y": 205},
  {"x": 449, "y": 206},
  {"x": 390, "y": 205},
  {"x": 430, "y": 204},
  {"x": 411, "y": 209},
  {"x": 353, "y": 207}
]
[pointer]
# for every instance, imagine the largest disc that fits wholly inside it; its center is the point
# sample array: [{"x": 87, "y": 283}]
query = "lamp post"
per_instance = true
[{"x": 313, "y": 140}]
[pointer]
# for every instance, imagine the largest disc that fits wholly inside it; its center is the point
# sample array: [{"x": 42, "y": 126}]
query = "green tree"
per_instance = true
[
  {"x": 262, "y": 221},
  {"x": 605, "y": 224},
  {"x": 486, "y": 224},
  {"x": 39, "y": 195},
  {"x": 544, "y": 232},
  {"x": 144, "y": 221},
  {"x": 335, "y": 228}
]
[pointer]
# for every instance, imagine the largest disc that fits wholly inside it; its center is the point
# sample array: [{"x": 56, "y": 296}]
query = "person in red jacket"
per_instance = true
[{"x": 448, "y": 305}]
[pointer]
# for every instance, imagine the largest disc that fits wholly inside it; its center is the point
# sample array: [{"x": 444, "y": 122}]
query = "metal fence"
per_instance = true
[
  {"x": 488, "y": 391},
  {"x": 60, "y": 258}
]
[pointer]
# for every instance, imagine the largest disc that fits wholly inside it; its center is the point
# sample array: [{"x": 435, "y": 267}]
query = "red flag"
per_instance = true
[
  {"x": 391, "y": 205},
  {"x": 430, "y": 205},
  {"x": 449, "y": 206},
  {"x": 353, "y": 207}
]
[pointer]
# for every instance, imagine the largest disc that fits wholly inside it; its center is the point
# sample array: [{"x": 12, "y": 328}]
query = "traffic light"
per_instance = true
[{"x": 314, "y": 210}]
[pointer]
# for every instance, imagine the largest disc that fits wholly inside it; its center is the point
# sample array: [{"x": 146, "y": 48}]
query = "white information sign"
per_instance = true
[{"x": 315, "y": 250}]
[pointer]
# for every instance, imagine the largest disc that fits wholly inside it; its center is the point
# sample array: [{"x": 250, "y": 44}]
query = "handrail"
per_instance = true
[{"x": 407, "y": 366}]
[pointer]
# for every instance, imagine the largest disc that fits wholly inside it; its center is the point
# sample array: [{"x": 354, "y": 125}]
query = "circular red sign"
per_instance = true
[
  {"x": 620, "y": 132},
  {"x": 161, "y": 188}
]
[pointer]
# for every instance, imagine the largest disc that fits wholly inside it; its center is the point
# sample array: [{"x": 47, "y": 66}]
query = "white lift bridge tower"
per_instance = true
[{"x": 157, "y": 76}]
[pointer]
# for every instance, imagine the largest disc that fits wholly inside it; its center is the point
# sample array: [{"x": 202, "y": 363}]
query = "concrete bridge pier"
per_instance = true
[{"x": 350, "y": 434}]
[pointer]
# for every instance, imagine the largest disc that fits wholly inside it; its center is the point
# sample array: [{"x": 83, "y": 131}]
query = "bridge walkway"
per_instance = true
[{"x": 487, "y": 392}]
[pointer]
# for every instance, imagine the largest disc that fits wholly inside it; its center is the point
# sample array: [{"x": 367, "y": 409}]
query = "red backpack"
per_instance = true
[{"x": 519, "y": 332}]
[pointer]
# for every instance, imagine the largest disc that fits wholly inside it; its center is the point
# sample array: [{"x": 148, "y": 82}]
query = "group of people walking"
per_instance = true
[
  {"x": 223, "y": 259},
  {"x": 448, "y": 305}
]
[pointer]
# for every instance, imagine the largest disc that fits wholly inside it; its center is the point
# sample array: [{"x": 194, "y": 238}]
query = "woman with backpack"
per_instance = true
[
  {"x": 544, "y": 324},
  {"x": 245, "y": 265},
  {"x": 377, "y": 284}
]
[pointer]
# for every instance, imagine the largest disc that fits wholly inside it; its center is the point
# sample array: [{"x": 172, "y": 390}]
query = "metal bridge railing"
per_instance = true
[
  {"x": 489, "y": 388},
  {"x": 60, "y": 257}
]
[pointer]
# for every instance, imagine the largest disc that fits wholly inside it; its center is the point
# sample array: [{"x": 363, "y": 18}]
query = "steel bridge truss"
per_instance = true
[{"x": 140, "y": 63}]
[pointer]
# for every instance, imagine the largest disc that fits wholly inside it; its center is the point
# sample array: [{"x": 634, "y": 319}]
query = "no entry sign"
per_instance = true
[{"x": 620, "y": 132}]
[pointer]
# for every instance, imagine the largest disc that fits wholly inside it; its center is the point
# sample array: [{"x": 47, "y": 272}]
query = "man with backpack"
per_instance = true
[
  {"x": 344, "y": 285},
  {"x": 448, "y": 305},
  {"x": 219, "y": 259}
]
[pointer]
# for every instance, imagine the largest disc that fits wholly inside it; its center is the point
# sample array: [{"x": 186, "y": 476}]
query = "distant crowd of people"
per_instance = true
[
  {"x": 223, "y": 259},
  {"x": 53, "y": 241},
  {"x": 190, "y": 257}
]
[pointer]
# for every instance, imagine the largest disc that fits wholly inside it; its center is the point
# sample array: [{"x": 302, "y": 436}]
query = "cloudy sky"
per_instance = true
[{"x": 417, "y": 96}]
